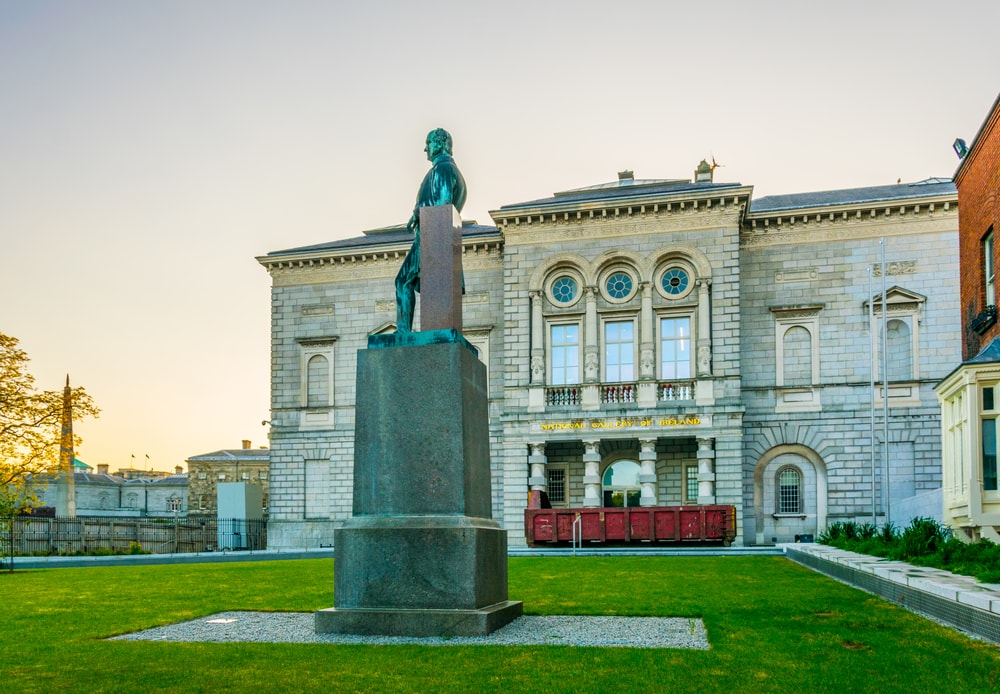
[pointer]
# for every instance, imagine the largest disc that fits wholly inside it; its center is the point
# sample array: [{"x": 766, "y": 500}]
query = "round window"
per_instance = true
[
  {"x": 619, "y": 285},
  {"x": 675, "y": 281},
  {"x": 564, "y": 289}
]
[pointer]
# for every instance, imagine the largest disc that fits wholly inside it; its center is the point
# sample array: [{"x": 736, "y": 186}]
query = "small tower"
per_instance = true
[
  {"x": 703, "y": 174},
  {"x": 65, "y": 476}
]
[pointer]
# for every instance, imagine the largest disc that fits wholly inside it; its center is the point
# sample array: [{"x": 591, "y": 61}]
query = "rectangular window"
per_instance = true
[
  {"x": 619, "y": 351},
  {"x": 557, "y": 485},
  {"x": 675, "y": 348},
  {"x": 565, "y": 353},
  {"x": 691, "y": 484},
  {"x": 988, "y": 269},
  {"x": 989, "y": 442}
]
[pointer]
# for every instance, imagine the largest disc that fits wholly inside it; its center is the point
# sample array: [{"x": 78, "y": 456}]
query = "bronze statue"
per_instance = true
[{"x": 443, "y": 185}]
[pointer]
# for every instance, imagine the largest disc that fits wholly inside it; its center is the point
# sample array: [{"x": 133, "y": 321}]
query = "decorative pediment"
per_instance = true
[{"x": 897, "y": 300}]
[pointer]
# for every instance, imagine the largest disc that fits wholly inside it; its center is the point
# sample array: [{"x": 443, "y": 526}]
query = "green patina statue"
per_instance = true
[{"x": 443, "y": 185}]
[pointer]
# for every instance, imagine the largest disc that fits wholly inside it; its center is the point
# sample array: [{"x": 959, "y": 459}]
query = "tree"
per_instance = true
[{"x": 29, "y": 429}]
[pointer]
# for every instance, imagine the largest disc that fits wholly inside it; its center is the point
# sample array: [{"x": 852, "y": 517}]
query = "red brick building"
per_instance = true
[
  {"x": 978, "y": 180},
  {"x": 970, "y": 395}
]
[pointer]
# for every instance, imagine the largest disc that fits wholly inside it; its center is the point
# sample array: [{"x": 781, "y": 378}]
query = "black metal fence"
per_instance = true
[{"x": 34, "y": 536}]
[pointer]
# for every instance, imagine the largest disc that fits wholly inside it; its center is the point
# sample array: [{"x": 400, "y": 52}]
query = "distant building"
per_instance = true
[
  {"x": 970, "y": 395},
  {"x": 103, "y": 494},
  {"x": 206, "y": 471}
]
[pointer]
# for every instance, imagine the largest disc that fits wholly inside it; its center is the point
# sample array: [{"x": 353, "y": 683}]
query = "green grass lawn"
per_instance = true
[{"x": 774, "y": 627}]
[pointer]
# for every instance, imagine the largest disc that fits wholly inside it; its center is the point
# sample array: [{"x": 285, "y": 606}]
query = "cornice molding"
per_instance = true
[
  {"x": 361, "y": 263},
  {"x": 548, "y": 232},
  {"x": 858, "y": 223},
  {"x": 576, "y": 213}
]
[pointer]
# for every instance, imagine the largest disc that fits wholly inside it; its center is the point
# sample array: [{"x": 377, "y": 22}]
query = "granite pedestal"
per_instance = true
[{"x": 421, "y": 555}]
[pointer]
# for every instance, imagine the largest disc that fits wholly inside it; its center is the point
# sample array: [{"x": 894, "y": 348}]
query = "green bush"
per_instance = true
[
  {"x": 924, "y": 542},
  {"x": 923, "y": 537}
]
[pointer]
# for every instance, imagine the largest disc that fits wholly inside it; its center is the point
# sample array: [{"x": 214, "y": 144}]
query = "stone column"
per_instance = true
[
  {"x": 537, "y": 340},
  {"x": 591, "y": 474},
  {"x": 647, "y": 472},
  {"x": 704, "y": 343},
  {"x": 536, "y": 460},
  {"x": 591, "y": 350},
  {"x": 706, "y": 470},
  {"x": 647, "y": 338}
]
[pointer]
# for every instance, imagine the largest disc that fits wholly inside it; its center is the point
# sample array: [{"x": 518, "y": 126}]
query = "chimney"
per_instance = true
[
  {"x": 102, "y": 468},
  {"x": 626, "y": 178},
  {"x": 178, "y": 470},
  {"x": 246, "y": 444}
]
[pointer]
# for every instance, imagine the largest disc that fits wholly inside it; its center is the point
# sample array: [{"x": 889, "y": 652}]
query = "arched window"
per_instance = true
[
  {"x": 789, "y": 490},
  {"x": 900, "y": 350},
  {"x": 797, "y": 344},
  {"x": 318, "y": 382},
  {"x": 621, "y": 484}
]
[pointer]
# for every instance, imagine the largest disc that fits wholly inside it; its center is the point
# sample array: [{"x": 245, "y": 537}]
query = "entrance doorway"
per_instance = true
[{"x": 621, "y": 484}]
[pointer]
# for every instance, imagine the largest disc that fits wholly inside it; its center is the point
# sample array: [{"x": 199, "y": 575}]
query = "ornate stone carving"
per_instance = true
[
  {"x": 537, "y": 369},
  {"x": 704, "y": 359},
  {"x": 646, "y": 361}
]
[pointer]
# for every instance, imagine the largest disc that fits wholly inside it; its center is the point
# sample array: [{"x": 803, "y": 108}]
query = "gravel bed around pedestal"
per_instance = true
[{"x": 298, "y": 627}]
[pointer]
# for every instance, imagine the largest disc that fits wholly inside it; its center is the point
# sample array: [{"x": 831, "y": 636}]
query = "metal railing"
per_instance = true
[{"x": 619, "y": 393}]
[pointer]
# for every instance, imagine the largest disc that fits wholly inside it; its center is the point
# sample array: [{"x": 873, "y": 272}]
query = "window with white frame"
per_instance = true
[
  {"x": 619, "y": 351},
  {"x": 317, "y": 372},
  {"x": 989, "y": 438},
  {"x": 173, "y": 504},
  {"x": 789, "y": 490},
  {"x": 556, "y": 482},
  {"x": 564, "y": 354},
  {"x": 901, "y": 326},
  {"x": 989, "y": 272},
  {"x": 675, "y": 347},
  {"x": 317, "y": 386},
  {"x": 796, "y": 333}
]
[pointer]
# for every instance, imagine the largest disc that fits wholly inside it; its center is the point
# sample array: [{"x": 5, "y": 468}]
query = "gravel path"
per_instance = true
[{"x": 297, "y": 627}]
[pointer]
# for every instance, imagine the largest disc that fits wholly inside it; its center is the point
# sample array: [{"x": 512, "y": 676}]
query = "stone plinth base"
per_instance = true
[
  {"x": 420, "y": 562},
  {"x": 421, "y": 555},
  {"x": 389, "y": 622}
]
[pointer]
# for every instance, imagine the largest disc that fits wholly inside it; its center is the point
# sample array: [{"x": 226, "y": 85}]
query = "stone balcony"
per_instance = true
[{"x": 595, "y": 396}]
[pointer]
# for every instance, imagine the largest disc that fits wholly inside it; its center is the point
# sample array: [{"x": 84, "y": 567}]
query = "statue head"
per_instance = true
[{"x": 438, "y": 142}]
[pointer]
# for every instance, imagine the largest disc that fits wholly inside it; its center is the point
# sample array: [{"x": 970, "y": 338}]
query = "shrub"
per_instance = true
[{"x": 923, "y": 537}]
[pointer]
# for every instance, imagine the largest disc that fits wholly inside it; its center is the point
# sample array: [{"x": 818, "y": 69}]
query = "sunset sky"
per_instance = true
[{"x": 150, "y": 150}]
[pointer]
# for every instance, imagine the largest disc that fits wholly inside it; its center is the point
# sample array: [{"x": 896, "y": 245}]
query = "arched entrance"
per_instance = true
[
  {"x": 789, "y": 494},
  {"x": 620, "y": 484}
]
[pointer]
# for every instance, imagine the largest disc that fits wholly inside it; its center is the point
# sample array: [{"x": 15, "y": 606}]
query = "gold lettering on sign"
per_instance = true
[{"x": 622, "y": 423}]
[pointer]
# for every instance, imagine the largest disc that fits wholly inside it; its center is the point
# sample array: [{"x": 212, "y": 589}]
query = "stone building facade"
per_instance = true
[
  {"x": 648, "y": 343},
  {"x": 206, "y": 471},
  {"x": 103, "y": 494},
  {"x": 970, "y": 395}
]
